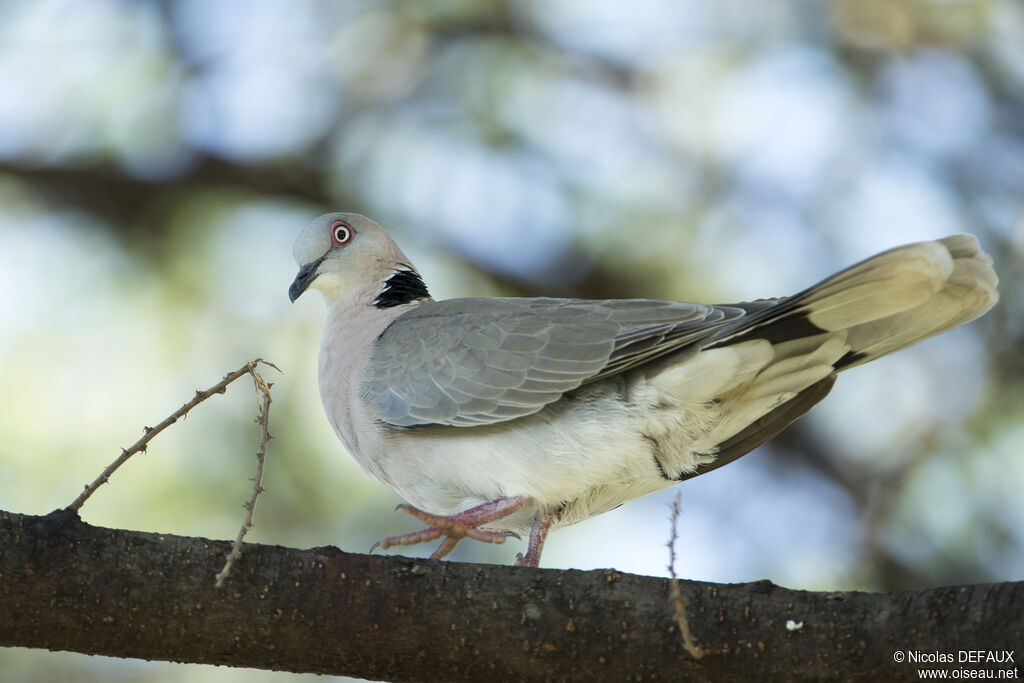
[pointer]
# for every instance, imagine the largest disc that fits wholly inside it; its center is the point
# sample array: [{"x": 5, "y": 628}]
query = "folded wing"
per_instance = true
[{"x": 467, "y": 362}]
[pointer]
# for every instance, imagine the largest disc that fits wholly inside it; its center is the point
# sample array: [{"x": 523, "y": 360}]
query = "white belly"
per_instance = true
[{"x": 586, "y": 454}]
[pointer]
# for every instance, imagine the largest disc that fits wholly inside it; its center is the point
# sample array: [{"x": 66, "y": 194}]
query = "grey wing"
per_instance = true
[{"x": 467, "y": 362}]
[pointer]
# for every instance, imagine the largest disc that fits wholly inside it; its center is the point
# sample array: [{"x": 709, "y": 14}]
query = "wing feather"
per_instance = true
[{"x": 467, "y": 362}]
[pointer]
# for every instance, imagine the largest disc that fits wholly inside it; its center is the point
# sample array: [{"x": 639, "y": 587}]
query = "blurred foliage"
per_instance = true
[{"x": 157, "y": 158}]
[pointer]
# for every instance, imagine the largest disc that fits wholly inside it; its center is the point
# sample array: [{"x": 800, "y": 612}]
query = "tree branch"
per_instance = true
[
  {"x": 149, "y": 433},
  {"x": 67, "y": 585},
  {"x": 127, "y": 203}
]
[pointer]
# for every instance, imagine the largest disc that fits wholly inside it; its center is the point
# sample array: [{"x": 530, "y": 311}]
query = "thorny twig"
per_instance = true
[
  {"x": 689, "y": 643},
  {"x": 262, "y": 418}
]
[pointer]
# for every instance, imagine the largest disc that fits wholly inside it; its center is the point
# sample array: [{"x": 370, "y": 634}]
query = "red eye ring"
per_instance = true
[{"x": 341, "y": 233}]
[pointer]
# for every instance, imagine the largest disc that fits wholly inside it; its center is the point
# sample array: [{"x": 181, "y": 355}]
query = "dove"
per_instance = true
[{"x": 498, "y": 417}]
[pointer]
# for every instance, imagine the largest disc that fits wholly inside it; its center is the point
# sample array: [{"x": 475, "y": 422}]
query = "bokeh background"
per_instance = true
[{"x": 158, "y": 158}]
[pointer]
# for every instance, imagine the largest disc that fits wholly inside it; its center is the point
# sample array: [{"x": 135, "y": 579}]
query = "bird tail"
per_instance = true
[
  {"x": 882, "y": 304},
  {"x": 795, "y": 346}
]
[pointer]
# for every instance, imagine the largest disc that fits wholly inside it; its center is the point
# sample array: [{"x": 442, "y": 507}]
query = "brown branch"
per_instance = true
[
  {"x": 66, "y": 585},
  {"x": 150, "y": 432},
  {"x": 263, "y": 420},
  {"x": 689, "y": 642}
]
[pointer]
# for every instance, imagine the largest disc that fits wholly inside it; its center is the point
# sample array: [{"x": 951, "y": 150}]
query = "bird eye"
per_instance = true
[{"x": 341, "y": 233}]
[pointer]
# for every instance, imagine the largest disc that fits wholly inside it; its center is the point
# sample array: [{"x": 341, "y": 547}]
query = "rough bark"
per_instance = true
[{"x": 67, "y": 585}]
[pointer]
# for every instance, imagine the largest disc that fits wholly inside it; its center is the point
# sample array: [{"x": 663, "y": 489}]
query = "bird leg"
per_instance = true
[
  {"x": 538, "y": 534},
  {"x": 456, "y": 527}
]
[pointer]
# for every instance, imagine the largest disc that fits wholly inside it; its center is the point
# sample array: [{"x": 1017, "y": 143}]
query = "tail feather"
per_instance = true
[
  {"x": 880, "y": 287},
  {"x": 871, "y": 309},
  {"x": 884, "y": 303},
  {"x": 764, "y": 428},
  {"x": 968, "y": 292}
]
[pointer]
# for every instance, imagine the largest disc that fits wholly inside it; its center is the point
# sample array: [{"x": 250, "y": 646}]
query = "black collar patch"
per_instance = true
[{"x": 403, "y": 287}]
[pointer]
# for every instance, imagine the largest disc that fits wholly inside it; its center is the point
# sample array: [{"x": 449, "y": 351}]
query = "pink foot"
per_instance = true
[
  {"x": 456, "y": 527},
  {"x": 538, "y": 534}
]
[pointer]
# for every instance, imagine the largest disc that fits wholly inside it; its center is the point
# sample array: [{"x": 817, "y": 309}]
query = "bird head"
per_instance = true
[{"x": 345, "y": 254}]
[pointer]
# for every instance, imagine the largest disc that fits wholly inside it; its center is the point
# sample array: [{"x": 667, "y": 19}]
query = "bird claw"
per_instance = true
[{"x": 456, "y": 527}]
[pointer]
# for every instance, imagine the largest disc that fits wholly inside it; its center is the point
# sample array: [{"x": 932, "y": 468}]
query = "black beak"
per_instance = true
[{"x": 307, "y": 274}]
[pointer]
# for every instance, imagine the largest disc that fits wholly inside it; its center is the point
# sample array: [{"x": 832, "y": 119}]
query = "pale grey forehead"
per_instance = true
[{"x": 315, "y": 239}]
